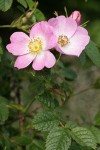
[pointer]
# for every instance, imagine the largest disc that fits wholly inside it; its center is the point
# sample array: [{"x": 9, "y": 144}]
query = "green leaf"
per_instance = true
[
  {"x": 4, "y": 111},
  {"x": 84, "y": 137},
  {"x": 82, "y": 58},
  {"x": 47, "y": 99},
  {"x": 30, "y": 4},
  {"x": 37, "y": 86},
  {"x": 44, "y": 73},
  {"x": 5, "y": 4},
  {"x": 85, "y": 148},
  {"x": 39, "y": 15},
  {"x": 24, "y": 140},
  {"x": 34, "y": 147},
  {"x": 3, "y": 100},
  {"x": 23, "y": 3},
  {"x": 17, "y": 107},
  {"x": 96, "y": 133},
  {"x": 5, "y": 142},
  {"x": 75, "y": 146},
  {"x": 97, "y": 119},
  {"x": 37, "y": 145},
  {"x": 65, "y": 86},
  {"x": 45, "y": 121},
  {"x": 21, "y": 8},
  {"x": 69, "y": 74},
  {"x": 58, "y": 139},
  {"x": 93, "y": 53},
  {"x": 70, "y": 125}
]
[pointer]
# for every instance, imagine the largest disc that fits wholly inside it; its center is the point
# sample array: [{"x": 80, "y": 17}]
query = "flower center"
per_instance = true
[
  {"x": 63, "y": 40},
  {"x": 35, "y": 45}
]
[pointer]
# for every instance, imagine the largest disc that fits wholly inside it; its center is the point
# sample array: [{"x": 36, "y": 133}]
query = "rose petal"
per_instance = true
[
  {"x": 50, "y": 60},
  {"x": 19, "y": 44},
  {"x": 19, "y": 37},
  {"x": 58, "y": 48},
  {"x": 18, "y": 49},
  {"x": 77, "y": 43},
  {"x": 45, "y": 32},
  {"x": 63, "y": 25},
  {"x": 76, "y": 15},
  {"x": 39, "y": 61},
  {"x": 82, "y": 30},
  {"x": 24, "y": 60}
]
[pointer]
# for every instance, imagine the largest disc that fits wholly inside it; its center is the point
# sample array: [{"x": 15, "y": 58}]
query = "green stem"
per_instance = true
[
  {"x": 6, "y": 26},
  {"x": 84, "y": 24},
  {"x": 62, "y": 124},
  {"x": 59, "y": 57},
  {"x": 75, "y": 94},
  {"x": 28, "y": 106},
  {"x": 10, "y": 26}
]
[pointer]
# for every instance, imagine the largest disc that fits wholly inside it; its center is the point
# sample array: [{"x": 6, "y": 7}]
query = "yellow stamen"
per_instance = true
[
  {"x": 35, "y": 45},
  {"x": 63, "y": 40}
]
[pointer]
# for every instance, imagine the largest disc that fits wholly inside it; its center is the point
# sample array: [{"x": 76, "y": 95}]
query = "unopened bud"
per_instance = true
[
  {"x": 24, "y": 20},
  {"x": 28, "y": 15},
  {"x": 76, "y": 15}
]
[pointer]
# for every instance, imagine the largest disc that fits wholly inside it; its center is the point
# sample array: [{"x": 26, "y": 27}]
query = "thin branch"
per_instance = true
[{"x": 80, "y": 92}]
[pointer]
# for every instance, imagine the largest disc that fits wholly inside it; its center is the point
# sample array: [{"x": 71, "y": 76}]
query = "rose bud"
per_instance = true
[{"x": 76, "y": 15}]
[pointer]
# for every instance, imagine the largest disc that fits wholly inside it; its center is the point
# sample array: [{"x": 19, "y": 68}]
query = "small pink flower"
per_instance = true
[
  {"x": 33, "y": 48},
  {"x": 72, "y": 38},
  {"x": 76, "y": 15}
]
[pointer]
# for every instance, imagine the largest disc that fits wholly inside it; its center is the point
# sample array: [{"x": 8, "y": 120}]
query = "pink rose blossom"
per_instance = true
[
  {"x": 72, "y": 39},
  {"x": 76, "y": 15},
  {"x": 33, "y": 48}
]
